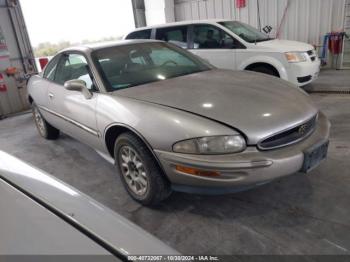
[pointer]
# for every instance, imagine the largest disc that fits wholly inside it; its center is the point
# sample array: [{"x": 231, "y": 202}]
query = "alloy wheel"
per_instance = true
[
  {"x": 39, "y": 121},
  {"x": 133, "y": 170}
]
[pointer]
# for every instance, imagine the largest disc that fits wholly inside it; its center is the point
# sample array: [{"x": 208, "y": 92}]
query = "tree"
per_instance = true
[{"x": 51, "y": 49}]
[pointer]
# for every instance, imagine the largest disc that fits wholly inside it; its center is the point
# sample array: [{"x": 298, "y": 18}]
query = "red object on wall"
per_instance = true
[
  {"x": 336, "y": 43},
  {"x": 240, "y": 3},
  {"x": 43, "y": 62},
  {"x": 3, "y": 87},
  {"x": 11, "y": 71}
]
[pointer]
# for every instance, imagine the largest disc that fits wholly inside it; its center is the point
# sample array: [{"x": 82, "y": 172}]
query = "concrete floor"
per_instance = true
[{"x": 300, "y": 214}]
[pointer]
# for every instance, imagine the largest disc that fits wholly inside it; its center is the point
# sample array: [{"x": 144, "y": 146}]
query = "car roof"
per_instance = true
[
  {"x": 101, "y": 45},
  {"x": 207, "y": 21}
]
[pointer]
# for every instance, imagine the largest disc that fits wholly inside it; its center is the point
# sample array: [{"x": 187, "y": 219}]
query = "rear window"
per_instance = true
[{"x": 143, "y": 34}]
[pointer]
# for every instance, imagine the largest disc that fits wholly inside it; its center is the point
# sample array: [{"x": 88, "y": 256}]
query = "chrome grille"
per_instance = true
[{"x": 290, "y": 136}]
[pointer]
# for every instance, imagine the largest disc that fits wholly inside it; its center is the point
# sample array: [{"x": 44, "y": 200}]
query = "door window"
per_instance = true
[
  {"x": 176, "y": 35},
  {"x": 50, "y": 69},
  {"x": 143, "y": 34},
  {"x": 73, "y": 66},
  {"x": 211, "y": 37}
]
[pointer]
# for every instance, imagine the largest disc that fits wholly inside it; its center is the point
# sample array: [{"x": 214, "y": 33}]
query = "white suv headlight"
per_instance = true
[
  {"x": 296, "y": 57},
  {"x": 214, "y": 145}
]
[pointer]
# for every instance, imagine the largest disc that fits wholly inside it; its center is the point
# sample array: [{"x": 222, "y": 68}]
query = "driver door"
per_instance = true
[
  {"x": 75, "y": 115},
  {"x": 210, "y": 43}
]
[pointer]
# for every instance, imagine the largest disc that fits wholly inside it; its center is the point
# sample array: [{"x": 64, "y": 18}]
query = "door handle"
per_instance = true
[{"x": 51, "y": 96}]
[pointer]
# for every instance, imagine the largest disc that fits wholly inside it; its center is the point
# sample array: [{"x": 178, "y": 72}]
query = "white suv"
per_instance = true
[{"x": 238, "y": 46}]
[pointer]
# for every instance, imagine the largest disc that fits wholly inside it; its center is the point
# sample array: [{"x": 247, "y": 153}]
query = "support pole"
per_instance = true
[{"x": 138, "y": 7}]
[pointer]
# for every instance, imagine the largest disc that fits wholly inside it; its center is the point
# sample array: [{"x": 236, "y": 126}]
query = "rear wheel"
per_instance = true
[
  {"x": 139, "y": 171},
  {"x": 46, "y": 130}
]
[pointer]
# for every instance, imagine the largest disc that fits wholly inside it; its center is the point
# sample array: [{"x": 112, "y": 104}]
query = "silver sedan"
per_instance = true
[{"x": 170, "y": 121}]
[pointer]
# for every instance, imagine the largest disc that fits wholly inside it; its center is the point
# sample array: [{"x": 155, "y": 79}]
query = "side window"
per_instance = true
[
  {"x": 73, "y": 66},
  {"x": 50, "y": 69},
  {"x": 176, "y": 35},
  {"x": 211, "y": 37},
  {"x": 143, "y": 34}
]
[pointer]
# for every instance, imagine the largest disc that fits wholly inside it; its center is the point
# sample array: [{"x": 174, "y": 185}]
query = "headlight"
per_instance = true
[
  {"x": 296, "y": 57},
  {"x": 214, "y": 145}
]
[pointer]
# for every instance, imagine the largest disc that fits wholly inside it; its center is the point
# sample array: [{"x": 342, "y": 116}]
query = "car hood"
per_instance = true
[
  {"x": 286, "y": 45},
  {"x": 255, "y": 104}
]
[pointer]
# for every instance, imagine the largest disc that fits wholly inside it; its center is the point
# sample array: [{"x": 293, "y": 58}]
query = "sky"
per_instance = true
[{"x": 76, "y": 20}]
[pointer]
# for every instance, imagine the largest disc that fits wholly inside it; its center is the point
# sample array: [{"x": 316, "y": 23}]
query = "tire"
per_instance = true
[
  {"x": 140, "y": 173},
  {"x": 45, "y": 130},
  {"x": 267, "y": 70}
]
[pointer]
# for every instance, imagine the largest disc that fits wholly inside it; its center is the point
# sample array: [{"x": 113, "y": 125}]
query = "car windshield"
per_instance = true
[
  {"x": 246, "y": 32},
  {"x": 136, "y": 64}
]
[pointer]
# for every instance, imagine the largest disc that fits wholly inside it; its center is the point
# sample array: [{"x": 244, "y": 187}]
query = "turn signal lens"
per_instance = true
[{"x": 196, "y": 172}]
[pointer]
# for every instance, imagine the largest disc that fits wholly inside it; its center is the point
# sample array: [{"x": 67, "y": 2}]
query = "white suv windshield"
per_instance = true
[{"x": 246, "y": 32}]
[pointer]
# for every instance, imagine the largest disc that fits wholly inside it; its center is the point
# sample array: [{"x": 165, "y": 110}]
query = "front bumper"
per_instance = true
[
  {"x": 244, "y": 170},
  {"x": 304, "y": 73}
]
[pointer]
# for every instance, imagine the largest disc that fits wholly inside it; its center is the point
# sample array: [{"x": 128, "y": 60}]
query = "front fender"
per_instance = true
[{"x": 159, "y": 125}]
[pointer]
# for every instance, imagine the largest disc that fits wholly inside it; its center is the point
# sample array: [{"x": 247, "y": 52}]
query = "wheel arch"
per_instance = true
[
  {"x": 263, "y": 64},
  {"x": 30, "y": 99},
  {"x": 113, "y": 131},
  {"x": 277, "y": 64}
]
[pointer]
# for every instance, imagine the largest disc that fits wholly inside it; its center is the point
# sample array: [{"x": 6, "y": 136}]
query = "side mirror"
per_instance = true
[{"x": 78, "y": 85}]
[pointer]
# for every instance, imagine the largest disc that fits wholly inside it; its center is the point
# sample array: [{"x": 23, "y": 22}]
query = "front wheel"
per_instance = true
[
  {"x": 139, "y": 171},
  {"x": 46, "y": 130}
]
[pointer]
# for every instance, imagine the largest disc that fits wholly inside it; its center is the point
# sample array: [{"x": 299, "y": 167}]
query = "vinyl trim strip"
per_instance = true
[{"x": 71, "y": 121}]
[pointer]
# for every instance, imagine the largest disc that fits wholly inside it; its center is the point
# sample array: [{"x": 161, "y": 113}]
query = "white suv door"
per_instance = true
[{"x": 214, "y": 45}]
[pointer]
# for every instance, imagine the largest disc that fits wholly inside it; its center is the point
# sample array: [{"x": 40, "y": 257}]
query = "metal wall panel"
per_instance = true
[
  {"x": 16, "y": 42},
  {"x": 306, "y": 20},
  {"x": 346, "y": 55},
  {"x": 10, "y": 101},
  {"x": 138, "y": 7}
]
